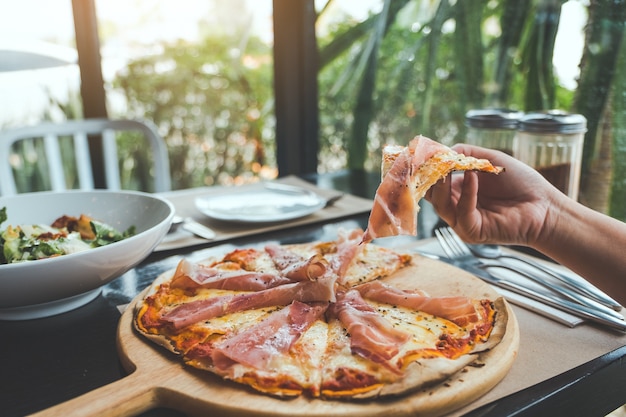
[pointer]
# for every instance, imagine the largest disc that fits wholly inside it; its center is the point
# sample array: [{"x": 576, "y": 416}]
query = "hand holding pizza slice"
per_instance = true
[{"x": 407, "y": 174}]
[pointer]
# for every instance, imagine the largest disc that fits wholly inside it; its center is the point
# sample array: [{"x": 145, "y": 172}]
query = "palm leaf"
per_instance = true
[
  {"x": 364, "y": 106},
  {"x": 512, "y": 21},
  {"x": 344, "y": 41},
  {"x": 538, "y": 53},
  {"x": 605, "y": 30},
  {"x": 367, "y": 66},
  {"x": 434, "y": 41},
  {"x": 617, "y": 202},
  {"x": 468, "y": 49}
]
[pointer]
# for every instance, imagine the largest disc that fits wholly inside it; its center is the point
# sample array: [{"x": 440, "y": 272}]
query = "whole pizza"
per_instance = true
[
  {"x": 343, "y": 319},
  {"x": 321, "y": 319}
]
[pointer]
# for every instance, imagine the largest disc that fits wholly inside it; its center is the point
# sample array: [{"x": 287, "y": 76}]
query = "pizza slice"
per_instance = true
[
  {"x": 407, "y": 174},
  {"x": 385, "y": 341}
]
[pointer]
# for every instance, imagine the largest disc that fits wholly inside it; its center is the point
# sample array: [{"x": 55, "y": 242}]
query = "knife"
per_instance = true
[
  {"x": 576, "y": 309},
  {"x": 198, "y": 229}
]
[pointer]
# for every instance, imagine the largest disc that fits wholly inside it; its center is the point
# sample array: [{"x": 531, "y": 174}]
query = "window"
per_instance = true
[{"x": 251, "y": 89}]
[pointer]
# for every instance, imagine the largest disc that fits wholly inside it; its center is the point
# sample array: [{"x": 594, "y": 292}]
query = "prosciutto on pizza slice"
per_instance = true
[{"x": 407, "y": 174}]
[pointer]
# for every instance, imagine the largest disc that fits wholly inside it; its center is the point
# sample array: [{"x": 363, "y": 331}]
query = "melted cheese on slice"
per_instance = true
[
  {"x": 435, "y": 168},
  {"x": 425, "y": 330},
  {"x": 371, "y": 263},
  {"x": 263, "y": 263},
  {"x": 235, "y": 322}
]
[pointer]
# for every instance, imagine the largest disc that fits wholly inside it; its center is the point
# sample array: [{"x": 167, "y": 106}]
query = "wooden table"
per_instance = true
[{"x": 47, "y": 361}]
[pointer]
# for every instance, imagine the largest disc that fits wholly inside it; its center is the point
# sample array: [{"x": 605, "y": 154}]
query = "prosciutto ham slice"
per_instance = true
[
  {"x": 407, "y": 174},
  {"x": 258, "y": 345},
  {"x": 371, "y": 335},
  {"x": 189, "y": 275},
  {"x": 347, "y": 249},
  {"x": 296, "y": 267},
  {"x": 205, "y": 309},
  {"x": 459, "y": 310}
]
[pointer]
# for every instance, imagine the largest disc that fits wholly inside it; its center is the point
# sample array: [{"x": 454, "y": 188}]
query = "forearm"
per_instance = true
[{"x": 590, "y": 244}]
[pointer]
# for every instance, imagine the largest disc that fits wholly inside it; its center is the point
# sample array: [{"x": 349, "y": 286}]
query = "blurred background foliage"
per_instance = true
[
  {"x": 212, "y": 103},
  {"x": 409, "y": 67},
  {"x": 416, "y": 67}
]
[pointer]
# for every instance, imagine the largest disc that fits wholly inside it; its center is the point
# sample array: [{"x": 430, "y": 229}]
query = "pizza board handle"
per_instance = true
[{"x": 128, "y": 396}]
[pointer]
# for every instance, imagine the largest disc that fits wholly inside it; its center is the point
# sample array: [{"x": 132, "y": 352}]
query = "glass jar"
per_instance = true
[
  {"x": 492, "y": 128},
  {"x": 552, "y": 143}
]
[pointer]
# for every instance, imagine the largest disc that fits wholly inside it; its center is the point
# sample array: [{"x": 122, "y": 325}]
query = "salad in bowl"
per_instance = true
[{"x": 66, "y": 235}]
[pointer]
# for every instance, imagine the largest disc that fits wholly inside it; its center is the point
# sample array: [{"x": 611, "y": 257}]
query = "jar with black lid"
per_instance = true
[
  {"x": 492, "y": 128},
  {"x": 552, "y": 143}
]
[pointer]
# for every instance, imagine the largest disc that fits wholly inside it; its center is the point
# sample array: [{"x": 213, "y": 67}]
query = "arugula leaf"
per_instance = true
[{"x": 106, "y": 234}]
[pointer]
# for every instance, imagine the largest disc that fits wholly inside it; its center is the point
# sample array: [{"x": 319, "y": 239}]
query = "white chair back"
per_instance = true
[{"x": 80, "y": 131}]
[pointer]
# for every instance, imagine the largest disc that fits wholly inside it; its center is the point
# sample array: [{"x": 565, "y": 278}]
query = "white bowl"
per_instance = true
[{"x": 34, "y": 289}]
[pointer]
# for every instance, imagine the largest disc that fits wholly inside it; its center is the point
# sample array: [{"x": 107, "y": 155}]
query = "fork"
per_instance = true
[{"x": 459, "y": 252}]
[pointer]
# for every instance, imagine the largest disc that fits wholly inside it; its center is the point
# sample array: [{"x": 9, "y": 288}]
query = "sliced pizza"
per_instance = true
[{"x": 407, "y": 174}]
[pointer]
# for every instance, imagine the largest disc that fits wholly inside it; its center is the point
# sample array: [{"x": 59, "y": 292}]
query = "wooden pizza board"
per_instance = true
[{"x": 157, "y": 378}]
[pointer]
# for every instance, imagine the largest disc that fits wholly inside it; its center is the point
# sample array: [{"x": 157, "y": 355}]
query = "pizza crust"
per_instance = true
[
  {"x": 499, "y": 327},
  {"x": 425, "y": 373},
  {"x": 158, "y": 339}
]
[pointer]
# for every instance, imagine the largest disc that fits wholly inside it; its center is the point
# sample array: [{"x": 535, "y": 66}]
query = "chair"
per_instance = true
[{"x": 53, "y": 157}]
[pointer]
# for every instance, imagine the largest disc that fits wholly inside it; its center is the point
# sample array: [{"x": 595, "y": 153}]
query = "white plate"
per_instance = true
[{"x": 264, "y": 205}]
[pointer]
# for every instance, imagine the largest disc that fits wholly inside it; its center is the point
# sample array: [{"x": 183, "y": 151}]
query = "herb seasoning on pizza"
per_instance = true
[{"x": 331, "y": 320}]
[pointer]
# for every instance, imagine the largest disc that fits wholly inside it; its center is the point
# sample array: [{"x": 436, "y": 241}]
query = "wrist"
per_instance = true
[{"x": 560, "y": 217}]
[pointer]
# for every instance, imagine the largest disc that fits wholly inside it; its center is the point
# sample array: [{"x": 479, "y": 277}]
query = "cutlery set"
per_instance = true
[{"x": 561, "y": 291}]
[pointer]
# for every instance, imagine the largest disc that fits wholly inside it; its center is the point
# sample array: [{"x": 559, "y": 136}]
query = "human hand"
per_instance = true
[{"x": 513, "y": 207}]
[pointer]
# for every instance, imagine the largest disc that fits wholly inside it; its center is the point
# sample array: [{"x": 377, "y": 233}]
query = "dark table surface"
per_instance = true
[{"x": 47, "y": 361}]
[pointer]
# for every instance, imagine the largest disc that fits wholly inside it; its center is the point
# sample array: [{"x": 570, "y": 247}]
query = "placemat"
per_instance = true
[{"x": 184, "y": 202}]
